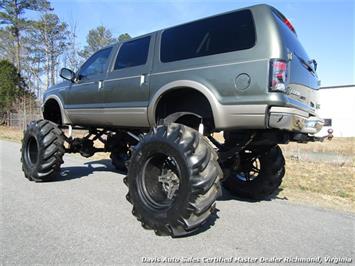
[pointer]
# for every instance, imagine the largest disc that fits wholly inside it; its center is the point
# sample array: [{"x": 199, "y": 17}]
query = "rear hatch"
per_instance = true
[{"x": 303, "y": 81}]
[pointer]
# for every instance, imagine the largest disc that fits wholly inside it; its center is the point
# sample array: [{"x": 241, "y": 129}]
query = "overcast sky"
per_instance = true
[{"x": 325, "y": 28}]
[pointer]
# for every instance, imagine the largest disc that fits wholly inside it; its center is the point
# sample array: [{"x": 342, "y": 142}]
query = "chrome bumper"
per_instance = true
[{"x": 294, "y": 120}]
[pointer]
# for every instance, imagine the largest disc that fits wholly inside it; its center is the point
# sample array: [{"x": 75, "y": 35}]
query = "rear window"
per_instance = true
[
  {"x": 133, "y": 53},
  {"x": 220, "y": 34}
]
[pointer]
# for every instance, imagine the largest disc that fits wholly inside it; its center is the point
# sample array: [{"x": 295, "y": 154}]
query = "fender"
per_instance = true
[
  {"x": 65, "y": 118},
  {"x": 183, "y": 84}
]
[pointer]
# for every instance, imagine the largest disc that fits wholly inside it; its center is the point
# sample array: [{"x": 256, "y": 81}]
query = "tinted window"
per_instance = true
[
  {"x": 96, "y": 64},
  {"x": 133, "y": 53},
  {"x": 220, "y": 34}
]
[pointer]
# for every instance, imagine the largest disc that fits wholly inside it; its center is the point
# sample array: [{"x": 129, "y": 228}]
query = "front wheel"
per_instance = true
[
  {"x": 42, "y": 150},
  {"x": 255, "y": 174},
  {"x": 173, "y": 180}
]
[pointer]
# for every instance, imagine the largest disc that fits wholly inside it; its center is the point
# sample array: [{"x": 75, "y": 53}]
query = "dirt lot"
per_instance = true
[{"x": 320, "y": 174}]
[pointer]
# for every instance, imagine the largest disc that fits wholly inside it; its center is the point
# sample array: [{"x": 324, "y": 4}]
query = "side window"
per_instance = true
[
  {"x": 133, "y": 53},
  {"x": 96, "y": 64},
  {"x": 220, "y": 34}
]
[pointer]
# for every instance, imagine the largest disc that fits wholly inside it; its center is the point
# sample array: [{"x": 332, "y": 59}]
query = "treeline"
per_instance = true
[{"x": 38, "y": 48}]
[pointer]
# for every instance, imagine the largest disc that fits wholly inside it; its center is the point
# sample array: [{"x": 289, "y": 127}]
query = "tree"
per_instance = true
[
  {"x": 12, "y": 85},
  {"x": 96, "y": 39},
  {"x": 124, "y": 37},
  {"x": 11, "y": 14},
  {"x": 7, "y": 45},
  {"x": 51, "y": 36},
  {"x": 34, "y": 60},
  {"x": 71, "y": 59}
]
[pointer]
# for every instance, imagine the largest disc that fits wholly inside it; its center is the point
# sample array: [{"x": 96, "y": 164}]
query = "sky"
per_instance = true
[{"x": 325, "y": 28}]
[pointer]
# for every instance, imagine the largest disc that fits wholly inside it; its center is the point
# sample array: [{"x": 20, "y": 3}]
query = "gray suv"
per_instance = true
[{"x": 156, "y": 101}]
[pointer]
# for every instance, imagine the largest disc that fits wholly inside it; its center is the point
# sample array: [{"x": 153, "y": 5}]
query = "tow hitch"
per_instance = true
[{"x": 304, "y": 138}]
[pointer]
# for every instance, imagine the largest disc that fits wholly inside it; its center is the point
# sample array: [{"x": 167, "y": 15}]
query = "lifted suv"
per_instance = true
[{"x": 156, "y": 100}]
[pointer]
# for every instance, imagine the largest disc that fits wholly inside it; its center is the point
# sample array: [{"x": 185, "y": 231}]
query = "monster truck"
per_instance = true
[{"x": 155, "y": 102}]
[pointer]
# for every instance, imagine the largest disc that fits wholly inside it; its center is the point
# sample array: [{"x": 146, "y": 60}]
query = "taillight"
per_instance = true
[
  {"x": 289, "y": 25},
  {"x": 285, "y": 20},
  {"x": 278, "y": 75}
]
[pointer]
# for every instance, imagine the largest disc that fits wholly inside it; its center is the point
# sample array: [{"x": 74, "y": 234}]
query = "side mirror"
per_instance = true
[{"x": 67, "y": 74}]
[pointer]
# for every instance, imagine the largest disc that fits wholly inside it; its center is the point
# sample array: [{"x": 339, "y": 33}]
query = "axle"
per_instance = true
[{"x": 110, "y": 140}]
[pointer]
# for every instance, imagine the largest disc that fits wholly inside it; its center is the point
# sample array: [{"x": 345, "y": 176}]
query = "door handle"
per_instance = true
[
  {"x": 100, "y": 84},
  {"x": 143, "y": 79}
]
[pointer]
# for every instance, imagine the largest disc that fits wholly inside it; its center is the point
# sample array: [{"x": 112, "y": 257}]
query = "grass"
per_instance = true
[
  {"x": 9, "y": 133},
  {"x": 319, "y": 183},
  {"x": 340, "y": 146},
  {"x": 323, "y": 184}
]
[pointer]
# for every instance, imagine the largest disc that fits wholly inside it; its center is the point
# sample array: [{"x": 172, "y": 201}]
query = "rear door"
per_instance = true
[
  {"x": 303, "y": 79},
  {"x": 126, "y": 89}
]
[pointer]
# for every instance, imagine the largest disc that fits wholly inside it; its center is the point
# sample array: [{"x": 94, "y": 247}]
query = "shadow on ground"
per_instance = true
[
  {"x": 104, "y": 165},
  {"x": 74, "y": 172},
  {"x": 226, "y": 195}
]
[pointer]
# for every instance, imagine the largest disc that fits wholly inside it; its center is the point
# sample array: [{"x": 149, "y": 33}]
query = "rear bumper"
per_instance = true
[{"x": 292, "y": 119}]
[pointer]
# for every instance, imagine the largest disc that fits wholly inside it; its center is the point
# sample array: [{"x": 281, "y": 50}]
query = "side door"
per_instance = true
[
  {"x": 126, "y": 88},
  {"x": 85, "y": 96}
]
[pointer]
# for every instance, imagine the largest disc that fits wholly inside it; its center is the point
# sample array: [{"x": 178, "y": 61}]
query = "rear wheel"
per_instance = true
[
  {"x": 119, "y": 160},
  {"x": 120, "y": 144},
  {"x": 42, "y": 150},
  {"x": 173, "y": 180},
  {"x": 256, "y": 174}
]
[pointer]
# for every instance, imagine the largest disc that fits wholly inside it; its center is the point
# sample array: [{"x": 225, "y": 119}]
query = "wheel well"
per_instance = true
[
  {"x": 52, "y": 111},
  {"x": 185, "y": 100}
]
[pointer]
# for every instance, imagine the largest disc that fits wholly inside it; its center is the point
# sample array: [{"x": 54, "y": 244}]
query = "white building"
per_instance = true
[{"x": 338, "y": 103}]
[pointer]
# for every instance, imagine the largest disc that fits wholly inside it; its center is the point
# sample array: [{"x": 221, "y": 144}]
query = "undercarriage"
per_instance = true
[
  {"x": 236, "y": 141},
  {"x": 110, "y": 140}
]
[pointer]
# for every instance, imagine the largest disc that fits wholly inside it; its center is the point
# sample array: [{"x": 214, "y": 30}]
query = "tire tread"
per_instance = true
[
  {"x": 204, "y": 178},
  {"x": 51, "y": 150}
]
